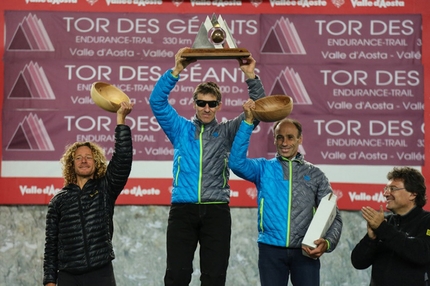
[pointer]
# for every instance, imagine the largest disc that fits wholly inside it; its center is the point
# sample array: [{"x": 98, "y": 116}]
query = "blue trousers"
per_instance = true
[
  {"x": 275, "y": 265},
  {"x": 189, "y": 224}
]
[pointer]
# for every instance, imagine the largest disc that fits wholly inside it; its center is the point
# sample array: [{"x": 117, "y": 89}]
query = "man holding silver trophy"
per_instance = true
[{"x": 200, "y": 212}]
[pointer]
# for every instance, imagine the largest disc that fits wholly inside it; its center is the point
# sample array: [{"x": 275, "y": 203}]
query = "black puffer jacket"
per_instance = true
[{"x": 79, "y": 224}]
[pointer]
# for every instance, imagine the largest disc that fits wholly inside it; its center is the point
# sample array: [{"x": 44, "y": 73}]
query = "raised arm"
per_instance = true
[
  {"x": 247, "y": 65},
  {"x": 180, "y": 62},
  {"x": 123, "y": 111}
]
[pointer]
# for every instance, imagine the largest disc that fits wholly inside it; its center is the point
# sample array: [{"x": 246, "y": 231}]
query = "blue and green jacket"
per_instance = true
[
  {"x": 288, "y": 193},
  {"x": 200, "y": 159}
]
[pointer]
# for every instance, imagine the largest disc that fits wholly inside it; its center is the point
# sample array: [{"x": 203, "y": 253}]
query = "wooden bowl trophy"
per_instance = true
[
  {"x": 107, "y": 96},
  {"x": 272, "y": 108}
]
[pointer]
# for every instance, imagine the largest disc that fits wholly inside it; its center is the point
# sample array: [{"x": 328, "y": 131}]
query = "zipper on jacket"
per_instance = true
[
  {"x": 261, "y": 215},
  {"x": 290, "y": 195},
  {"x": 199, "y": 194},
  {"x": 178, "y": 171},
  {"x": 81, "y": 216},
  {"x": 224, "y": 172},
  {"x": 290, "y": 187}
]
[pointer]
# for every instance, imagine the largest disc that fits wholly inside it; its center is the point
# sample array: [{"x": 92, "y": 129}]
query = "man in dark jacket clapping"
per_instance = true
[
  {"x": 79, "y": 226},
  {"x": 397, "y": 245}
]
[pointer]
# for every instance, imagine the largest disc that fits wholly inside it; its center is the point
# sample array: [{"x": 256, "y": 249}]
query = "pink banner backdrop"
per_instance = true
[
  {"x": 357, "y": 82},
  {"x": 341, "y": 39},
  {"x": 354, "y": 105}
]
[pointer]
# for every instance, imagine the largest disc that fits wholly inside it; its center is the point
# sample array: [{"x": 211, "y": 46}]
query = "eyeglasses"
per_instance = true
[
  {"x": 392, "y": 189},
  {"x": 80, "y": 158},
  {"x": 202, "y": 103}
]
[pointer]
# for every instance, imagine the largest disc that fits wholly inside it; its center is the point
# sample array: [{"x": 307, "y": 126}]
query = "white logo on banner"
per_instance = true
[
  {"x": 251, "y": 192},
  {"x": 377, "y": 3},
  {"x": 338, "y": 3},
  {"x": 256, "y": 3},
  {"x": 58, "y": 2},
  {"x": 302, "y": 3},
  {"x": 177, "y": 2}
]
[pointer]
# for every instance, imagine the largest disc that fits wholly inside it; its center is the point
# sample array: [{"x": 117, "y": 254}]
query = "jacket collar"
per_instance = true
[
  {"x": 299, "y": 158},
  {"x": 198, "y": 122},
  {"x": 74, "y": 187},
  {"x": 415, "y": 211},
  {"x": 411, "y": 215}
]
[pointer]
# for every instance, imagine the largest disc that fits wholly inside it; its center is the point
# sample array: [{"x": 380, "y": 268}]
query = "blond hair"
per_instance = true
[{"x": 68, "y": 161}]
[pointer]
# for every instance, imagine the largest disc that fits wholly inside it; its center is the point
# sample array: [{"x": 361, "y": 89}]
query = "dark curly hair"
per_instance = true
[
  {"x": 413, "y": 180},
  {"x": 68, "y": 161}
]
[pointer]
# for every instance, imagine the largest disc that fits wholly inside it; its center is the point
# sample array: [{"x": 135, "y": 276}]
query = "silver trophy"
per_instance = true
[{"x": 214, "y": 41}]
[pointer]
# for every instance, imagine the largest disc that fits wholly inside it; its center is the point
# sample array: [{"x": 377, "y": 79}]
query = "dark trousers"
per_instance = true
[
  {"x": 208, "y": 225},
  {"x": 275, "y": 264},
  {"x": 100, "y": 277}
]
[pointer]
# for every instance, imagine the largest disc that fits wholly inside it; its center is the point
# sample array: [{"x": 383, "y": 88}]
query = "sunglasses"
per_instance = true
[{"x": 202, "y": 103}]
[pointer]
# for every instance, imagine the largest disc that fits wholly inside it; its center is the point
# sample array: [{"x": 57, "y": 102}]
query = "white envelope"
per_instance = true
[{"x": 322, "y": 220}]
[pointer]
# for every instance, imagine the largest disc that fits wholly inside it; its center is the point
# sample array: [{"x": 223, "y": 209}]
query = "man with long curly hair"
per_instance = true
[{"x": 79, "y": 225}]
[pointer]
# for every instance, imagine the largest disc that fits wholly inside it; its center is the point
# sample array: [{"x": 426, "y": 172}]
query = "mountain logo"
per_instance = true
[
  {"x": 31, "y": 83},
  {"x": 31, "y": 35},
  {"x": 30, "y": 135},
  {"x": 283, "y": 39},
  {"x": 289, "y": 82}
]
